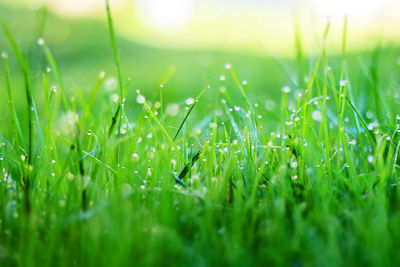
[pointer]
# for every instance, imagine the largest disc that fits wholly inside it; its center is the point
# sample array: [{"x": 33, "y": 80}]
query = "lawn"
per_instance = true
[{"x": 115, "y": 153}]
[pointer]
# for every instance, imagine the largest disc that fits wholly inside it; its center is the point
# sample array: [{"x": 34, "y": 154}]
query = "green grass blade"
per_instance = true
[{"x": 188, "y": 113}]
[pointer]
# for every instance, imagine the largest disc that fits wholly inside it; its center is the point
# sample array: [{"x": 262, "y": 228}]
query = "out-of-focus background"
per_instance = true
[
  {"x": 187, "y": 42},
  {"x": 250, "y": 25}
]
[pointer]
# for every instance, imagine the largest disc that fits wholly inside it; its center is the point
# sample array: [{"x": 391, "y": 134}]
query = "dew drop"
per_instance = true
[
  {"x": 172, "y": 109},
  {"x": 40, "y": 41},
  {"x": 115, "y": 98},
  {"x": 140, "y": 99},
  {"x": 353, "y": 142},
  {"x": 212, "y": 125},
  {"x": 316, "y": 115},
  {"x": 286, "y": 89},
  {"x": 269, "y": 105},
  {"x": 189, "y": 101}
]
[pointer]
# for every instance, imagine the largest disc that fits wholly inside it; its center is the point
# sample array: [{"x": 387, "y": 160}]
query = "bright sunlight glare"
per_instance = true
[{"x": 166, "y": 15}]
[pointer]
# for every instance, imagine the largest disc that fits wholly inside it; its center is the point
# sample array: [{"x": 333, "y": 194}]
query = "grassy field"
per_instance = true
[{"x": 113, "y": 153}]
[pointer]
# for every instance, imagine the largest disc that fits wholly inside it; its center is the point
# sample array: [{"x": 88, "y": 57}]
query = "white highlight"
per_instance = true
[{"x": 166, "y": 15}]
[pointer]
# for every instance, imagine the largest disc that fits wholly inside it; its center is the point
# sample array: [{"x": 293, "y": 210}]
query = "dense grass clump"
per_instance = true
[{"x": 85, "y": 181}]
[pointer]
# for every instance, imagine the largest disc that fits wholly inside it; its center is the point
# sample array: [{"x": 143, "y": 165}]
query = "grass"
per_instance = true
[{"x": 119, "y": 176}]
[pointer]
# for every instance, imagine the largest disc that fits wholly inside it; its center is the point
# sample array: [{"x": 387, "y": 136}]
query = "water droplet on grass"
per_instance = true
[
  {"x": 40, "y": 41},
  {"x": 70, "y": 176},
  {"x": 189, "y": 101},
  {"x": 197, "y": 131},
  {"x": 140, "y": 99},
  {"x": 316, "y": 115},
  {"x": 353, "y": 142},
  {"x": 172, "y": 109},
  {"x": 212, "y": 125},
  {"x": 115, "y": 98},
  {"x": 286, "y": 89}
]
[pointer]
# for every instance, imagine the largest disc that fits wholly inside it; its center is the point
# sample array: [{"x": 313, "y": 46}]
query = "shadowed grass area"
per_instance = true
[{"x": 275, "y": 162}]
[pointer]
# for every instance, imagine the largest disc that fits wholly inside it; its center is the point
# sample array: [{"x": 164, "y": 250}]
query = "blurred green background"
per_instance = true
[{"x": 185, "y": 44}]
